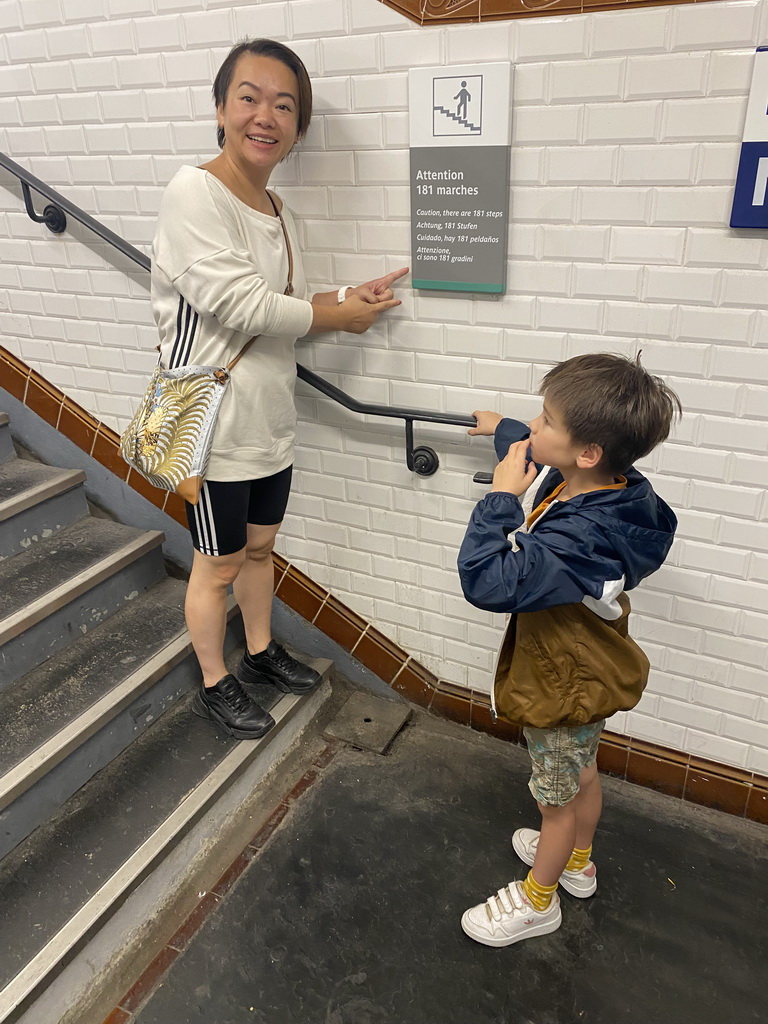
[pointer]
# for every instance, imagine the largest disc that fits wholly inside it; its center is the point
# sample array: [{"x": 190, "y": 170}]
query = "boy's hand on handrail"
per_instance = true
[
  {"x": 514, "y": 474},
  {"x": 487, "y": 421}
]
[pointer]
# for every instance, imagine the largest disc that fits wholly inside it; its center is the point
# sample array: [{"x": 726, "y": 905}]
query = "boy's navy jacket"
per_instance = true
[{"x": 587, "y": 549}]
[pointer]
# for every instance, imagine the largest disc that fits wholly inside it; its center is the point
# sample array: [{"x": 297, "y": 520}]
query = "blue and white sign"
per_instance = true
[{"x": 750, "y": 196}]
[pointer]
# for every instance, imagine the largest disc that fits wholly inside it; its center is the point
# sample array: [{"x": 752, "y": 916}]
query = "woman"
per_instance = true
[{"x": 221, "y": 260}]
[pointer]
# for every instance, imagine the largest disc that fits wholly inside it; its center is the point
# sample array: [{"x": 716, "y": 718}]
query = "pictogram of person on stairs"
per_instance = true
[{"x": 463, "y": 97}]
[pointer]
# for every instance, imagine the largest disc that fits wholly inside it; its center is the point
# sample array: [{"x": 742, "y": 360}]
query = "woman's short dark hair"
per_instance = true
[
  {"x": 612, "y": 401},
  {"x": 265, "y": 48}
]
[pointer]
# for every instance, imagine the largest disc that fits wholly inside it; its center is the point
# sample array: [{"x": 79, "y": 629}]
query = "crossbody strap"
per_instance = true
[{"x": 288, "y": 287}]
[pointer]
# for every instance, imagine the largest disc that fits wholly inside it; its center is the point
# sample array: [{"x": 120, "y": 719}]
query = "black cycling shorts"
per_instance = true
[{"x": 219, "y": 521}]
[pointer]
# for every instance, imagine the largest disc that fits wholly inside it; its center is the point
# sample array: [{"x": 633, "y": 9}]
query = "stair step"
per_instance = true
[
  {"x": 72, "y": 715},
  {"x": 58, "y": 694},
  {"x": 7, "y": 451},
  {"x": 60, "y": 691},
  {"x": 36, "y": 501},
  {"x": 60, "y": 885},
  {"x": 67, "y": 584}
]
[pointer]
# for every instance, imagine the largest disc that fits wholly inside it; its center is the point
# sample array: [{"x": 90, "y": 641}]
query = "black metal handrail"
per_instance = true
[
  {"x": 57, "y": 220},
  {"x": 421, "y": 460}
]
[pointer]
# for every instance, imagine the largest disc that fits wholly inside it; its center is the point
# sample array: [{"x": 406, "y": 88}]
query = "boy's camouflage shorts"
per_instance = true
[{"x": 558, "y": 755}]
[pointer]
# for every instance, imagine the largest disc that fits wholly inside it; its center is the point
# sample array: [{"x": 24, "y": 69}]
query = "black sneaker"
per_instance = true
[
  {"x": 276, "y": 666},
  {"x": 229, "y": 706}
]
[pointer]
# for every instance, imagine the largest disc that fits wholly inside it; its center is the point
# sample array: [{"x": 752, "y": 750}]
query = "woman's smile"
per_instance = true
[{"x": 260, "y": 115}]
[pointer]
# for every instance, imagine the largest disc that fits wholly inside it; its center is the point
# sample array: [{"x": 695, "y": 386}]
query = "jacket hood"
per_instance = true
[{"x": 634, "y": 526}]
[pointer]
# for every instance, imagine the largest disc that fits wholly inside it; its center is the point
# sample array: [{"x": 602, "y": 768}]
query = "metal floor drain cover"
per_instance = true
[{"x": 368, "y": 722}]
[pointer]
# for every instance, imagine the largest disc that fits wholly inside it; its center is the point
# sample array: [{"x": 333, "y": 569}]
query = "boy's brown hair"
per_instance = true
[{"x": 613, "y": 402}]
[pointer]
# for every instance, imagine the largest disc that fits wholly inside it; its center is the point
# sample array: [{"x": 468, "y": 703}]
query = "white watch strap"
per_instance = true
[{"x": 343, "y": 292}]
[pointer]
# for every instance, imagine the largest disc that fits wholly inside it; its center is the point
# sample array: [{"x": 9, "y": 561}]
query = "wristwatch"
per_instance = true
[{"x": 343, "y": 292}]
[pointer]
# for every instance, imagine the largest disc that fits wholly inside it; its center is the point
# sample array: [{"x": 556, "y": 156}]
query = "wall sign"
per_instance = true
[
  {"x": 750, "y": 196},
  {"x": 460, "y": 139}
]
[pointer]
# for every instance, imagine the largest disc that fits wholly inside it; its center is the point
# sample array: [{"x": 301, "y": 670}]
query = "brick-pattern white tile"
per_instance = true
[{"x": 626, "y": 141}]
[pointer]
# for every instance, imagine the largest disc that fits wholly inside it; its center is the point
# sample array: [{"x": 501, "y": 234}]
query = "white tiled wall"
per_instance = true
[{"x": 627, "y": 128}]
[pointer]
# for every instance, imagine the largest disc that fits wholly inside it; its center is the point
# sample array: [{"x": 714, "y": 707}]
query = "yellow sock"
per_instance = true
[
  {"x": 539, "y": 896},
  {"x": 578, "y": 859}
]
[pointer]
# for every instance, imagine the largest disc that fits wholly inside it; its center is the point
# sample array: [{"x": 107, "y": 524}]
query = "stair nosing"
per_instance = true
[
  {"x": 45, "y": 605},
  {"x": 25, "y": 773},
  {"x": 65, "y": 481},
  {"x": 133, "y": 871}
]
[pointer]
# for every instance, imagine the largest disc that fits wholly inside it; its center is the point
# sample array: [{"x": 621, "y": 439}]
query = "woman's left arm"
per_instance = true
[{"x": 379, "y": 290}]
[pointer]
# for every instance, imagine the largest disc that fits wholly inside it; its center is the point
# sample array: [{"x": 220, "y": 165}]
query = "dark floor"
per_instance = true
[{"x": 350, "y": 914}]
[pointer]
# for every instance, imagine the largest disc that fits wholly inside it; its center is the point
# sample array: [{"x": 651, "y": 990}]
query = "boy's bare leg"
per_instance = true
[
  {"x": 566, "y": 828},
  {"x": 589, "y": 806},
  {"x": 558, "y": 834}
]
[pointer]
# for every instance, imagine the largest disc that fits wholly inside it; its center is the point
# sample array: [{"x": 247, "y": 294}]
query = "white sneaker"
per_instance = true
[
  {"x": 577, "y": 883},
  {"x": 508, "y": 917}
]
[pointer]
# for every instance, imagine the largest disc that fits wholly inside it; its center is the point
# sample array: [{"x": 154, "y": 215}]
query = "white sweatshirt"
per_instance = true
[{"x": 219, "y": 270}]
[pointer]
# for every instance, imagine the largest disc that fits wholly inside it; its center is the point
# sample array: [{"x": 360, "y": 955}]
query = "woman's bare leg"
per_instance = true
[
  {"x": 254, "y": 586},
  {"x": 206, "y": 609}
]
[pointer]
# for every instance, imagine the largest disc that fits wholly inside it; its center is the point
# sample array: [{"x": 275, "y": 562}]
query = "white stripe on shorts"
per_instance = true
[{"x": 206, "y": 527}]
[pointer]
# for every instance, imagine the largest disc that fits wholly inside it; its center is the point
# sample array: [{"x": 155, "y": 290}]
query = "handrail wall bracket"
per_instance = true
[
  {"x": 422, "y": 460},
  {"x": 53, "y": 218}
]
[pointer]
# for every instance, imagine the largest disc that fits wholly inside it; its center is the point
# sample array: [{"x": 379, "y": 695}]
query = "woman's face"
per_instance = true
[{"x": 261, "y": 113}]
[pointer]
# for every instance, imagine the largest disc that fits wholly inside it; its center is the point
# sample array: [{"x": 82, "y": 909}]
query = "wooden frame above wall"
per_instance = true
[{"x": 465, "y": 12}]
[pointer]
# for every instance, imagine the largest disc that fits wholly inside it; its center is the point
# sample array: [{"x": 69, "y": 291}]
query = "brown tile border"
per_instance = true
[
  {"x": 183, "y": 936},
  {"x": 80, "y": 431},
  {"x": 384, "y": 658},
  {"x": 176, "y": 508},
  {"x": 231, "y": 875},
  {"x": 340, "y": 623},
  {"x": 713, "y": 789},
  {"x": 106, "y": 451},
  {"x": 449, "y": 705},
  {"x": 662, "y": 775},
  {"x": 416, "y": 683},
  {"x": 694, "y": 779},
  {"x": 14, "y": 375},
  {"x": 757, "y": 805},
  {"x": 44, "y": 399},
  {"x": 156, "y": 970},
  {"x": 149, "y": 980},
  {"x": 464, "y": 12},
  {"x": 118, "y": 1016},
  {"x": 612, "y": 758},
  {"x": 295, "y": 592}
]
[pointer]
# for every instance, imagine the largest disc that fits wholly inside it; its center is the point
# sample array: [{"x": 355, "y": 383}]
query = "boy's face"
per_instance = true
[{"x": 551, "y": 444}]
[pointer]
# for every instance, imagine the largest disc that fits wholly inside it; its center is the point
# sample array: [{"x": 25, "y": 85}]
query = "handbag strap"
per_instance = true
[{"x": 288, "y": 287}]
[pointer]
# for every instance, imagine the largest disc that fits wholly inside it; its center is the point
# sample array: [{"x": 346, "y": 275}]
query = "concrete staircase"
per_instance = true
[{"x": 104, "y": 770}]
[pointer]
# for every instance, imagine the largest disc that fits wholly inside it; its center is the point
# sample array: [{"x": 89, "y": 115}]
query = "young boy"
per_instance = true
[{"x": 560, "y": 563}]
